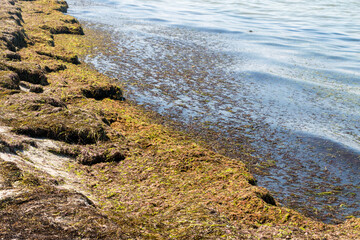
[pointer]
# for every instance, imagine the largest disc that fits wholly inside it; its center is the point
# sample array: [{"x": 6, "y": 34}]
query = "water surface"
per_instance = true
[{"x": 285, "y": 74}]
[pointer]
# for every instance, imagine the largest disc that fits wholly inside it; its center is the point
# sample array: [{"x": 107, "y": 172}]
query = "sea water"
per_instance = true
[{"x": 285, "y": 74}]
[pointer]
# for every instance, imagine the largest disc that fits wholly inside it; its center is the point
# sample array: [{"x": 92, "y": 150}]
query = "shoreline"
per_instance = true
[
  {"x": 294, "y": 184},
  {"x": 109, "y": 170}
]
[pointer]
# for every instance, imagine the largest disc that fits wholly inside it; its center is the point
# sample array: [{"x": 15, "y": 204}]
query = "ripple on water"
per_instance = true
[{"x": 290, "y": 85}]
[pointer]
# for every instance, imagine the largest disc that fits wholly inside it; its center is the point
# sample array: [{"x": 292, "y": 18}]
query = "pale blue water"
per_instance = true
[{"x": 285, "y": 71}]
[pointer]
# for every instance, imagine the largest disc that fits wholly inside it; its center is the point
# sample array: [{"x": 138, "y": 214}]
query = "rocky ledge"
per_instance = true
[{"x": 79, "y": 162}]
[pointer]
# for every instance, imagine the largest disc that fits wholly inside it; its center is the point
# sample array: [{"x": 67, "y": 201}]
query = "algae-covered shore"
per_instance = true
[{"x": 79, "y": 162}]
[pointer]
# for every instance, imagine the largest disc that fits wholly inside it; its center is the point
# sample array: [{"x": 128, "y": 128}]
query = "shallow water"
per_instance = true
[{"x": 284, "y": 74}]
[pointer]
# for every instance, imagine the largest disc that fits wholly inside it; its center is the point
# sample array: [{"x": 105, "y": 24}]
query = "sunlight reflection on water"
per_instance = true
[{"x": 289, "y": 68}]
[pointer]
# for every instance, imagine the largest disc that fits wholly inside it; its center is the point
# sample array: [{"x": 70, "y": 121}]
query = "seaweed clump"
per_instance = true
[
  {"x": 9, "y": 173},
  {"x": 9, "y": 80},
  {"x": 28, "y": 72},
  {"x": 103, "y": 91},
  {"x": 12, "y": 35},
  {"x": 93, "y": 154},
  {"x": 49, "y": 213},
  {"x": 40, "y": 116},
  {"x": 151, "y": 181}
]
